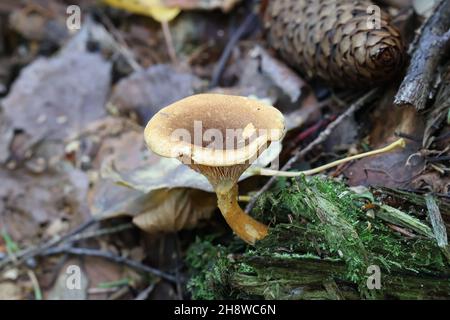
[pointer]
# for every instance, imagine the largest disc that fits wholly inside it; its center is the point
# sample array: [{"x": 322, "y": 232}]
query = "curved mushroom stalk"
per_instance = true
[
  {"x": 245, "y": 227},
  {"x": 224, "y": 181}
]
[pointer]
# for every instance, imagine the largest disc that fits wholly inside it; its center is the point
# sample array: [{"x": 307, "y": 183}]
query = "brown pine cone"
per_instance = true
[{"x": 331, "y": 41}]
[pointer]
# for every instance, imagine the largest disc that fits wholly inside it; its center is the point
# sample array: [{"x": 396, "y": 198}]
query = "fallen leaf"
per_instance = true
[
  {"x": 395, "y": 169},
  {"x": 34, "y": 25},
  {"x": 50, "y": 89},
  {"x": 171, "y": 173},
  {"x": 31, "y": 202},
  {"x": 432, "y": 181},
  {"x": 280, "y": 74},
  {"x": 100, "y": 271},
  {"x": 172, "y": 210},
  {"x": 10, "y": 291},
  {"x": 147, "y": 91},
  {"x": 266, "y": 78},
  {"x": 62, "y": 291}
]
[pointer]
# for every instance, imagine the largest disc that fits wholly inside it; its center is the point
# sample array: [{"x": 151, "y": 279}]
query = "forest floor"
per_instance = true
[{"x": 79, "y": 189}]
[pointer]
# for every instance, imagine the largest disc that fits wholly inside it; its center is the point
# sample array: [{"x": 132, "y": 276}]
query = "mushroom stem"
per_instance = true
[
  {"x": 267, "y": 172},
  {"x": 245, "y": 227}
]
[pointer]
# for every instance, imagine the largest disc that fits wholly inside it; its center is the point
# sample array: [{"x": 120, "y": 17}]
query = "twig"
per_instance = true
[
  {"x": 28, "y": 253},
  {"x": 169, "y": 42},
  {"x": 101, "y": 232},
  {"x": 109, "y": 256},
  {"x": 240, "y": 32},
  {"x": 120, "y": 44},
  {"x": 321, "y": 138},
  {"x": 439, "y": 229},
  {"x": 400, "y": 218},
  {"x": 268, "y": 172},
  {"x": 116, "y": 295},
  {"x": 143, "y": 295},
  {"x": 428, "y": 52},
  {"x": 101, "y": 290}
]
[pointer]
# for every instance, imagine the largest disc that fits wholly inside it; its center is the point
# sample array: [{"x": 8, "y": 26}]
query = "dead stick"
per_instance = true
[
  {"x": 31, "y": 252},
  {"x": 428, "y": 51},
  {"x": 321, "y": 138},
  {"x": 109, "y": 256}
]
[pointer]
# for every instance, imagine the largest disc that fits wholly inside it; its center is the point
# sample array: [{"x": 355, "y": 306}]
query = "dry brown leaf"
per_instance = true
[
  {"x": 10, "y": 291},
  {"x": 266, "y": 78},
  {"x": 171, "y": 173},
  {"x": 60, "y": 290},
  {"x": 56, "y": 97},
  {"x": 37, "y": 26},
  {"x": 432, "y": 181},
  {"x": 31, "y": 202},
  {"x": 176, "y": 209},
  {"x": 395, "y": 169},
  {"x": 147, "y": 91},
  {"x": 154, "y": 209}
]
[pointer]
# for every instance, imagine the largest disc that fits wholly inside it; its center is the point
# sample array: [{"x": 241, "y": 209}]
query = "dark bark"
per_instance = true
[{"x": 427, "y": 53}]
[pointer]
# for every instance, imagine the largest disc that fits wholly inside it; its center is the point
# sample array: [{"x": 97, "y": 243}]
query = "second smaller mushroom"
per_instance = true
[{"x": 219, "y": 136}]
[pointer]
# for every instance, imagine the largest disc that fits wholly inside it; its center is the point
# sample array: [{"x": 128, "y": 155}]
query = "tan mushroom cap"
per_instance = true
[{"x": 237, "y": 130}]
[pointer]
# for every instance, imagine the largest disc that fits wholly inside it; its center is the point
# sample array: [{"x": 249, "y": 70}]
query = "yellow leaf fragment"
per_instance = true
[{"x": 153, "y": 8}]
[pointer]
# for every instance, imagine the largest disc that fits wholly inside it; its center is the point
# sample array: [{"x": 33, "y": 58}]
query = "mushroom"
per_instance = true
[{"x": 219, "y": 136}]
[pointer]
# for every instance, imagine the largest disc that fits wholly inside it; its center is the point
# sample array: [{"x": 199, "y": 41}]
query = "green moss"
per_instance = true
[
  {"x": 207, "y": 265},
  {"x": 319, "y": 231}
]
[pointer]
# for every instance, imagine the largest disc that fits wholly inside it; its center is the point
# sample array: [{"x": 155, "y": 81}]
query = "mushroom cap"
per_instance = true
[{"x": 214, "y": 130}]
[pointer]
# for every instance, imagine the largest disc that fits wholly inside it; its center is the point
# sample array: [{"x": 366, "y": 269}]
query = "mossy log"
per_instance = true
[{"x": 324, "y": 241}]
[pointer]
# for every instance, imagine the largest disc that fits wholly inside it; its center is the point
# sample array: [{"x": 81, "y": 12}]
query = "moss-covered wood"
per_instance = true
[{"x": 324, "y": 237}]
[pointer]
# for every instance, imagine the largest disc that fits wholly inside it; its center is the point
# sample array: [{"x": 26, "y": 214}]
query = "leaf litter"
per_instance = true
[{"x": 73, "y": 158}]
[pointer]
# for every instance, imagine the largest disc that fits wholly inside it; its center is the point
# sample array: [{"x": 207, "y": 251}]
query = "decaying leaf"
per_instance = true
[
  {"x": 31, "y": 202},
  {"x": 10, "y": 291},
  {"x": 172, "y": 210},
  {"x": 432, "y": 181},
  {"x": 147, "y": 91},
  {"x": 61, "y": 291},
  {"x": 55, "y": 97},
  {"x": 264, "y": 77},
  {"x": 280, "y": 74},
  {"x": 162, "y": 208},
  {"x": 34, "y": 25},
  {"x": 171, "y": 173}
]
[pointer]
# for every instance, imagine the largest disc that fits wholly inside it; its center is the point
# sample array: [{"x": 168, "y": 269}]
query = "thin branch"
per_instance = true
[
  {"x": 31, "y": 252},
  {"x": 143, "y": 295},
  {"x": 101, "y": 232},
  {"x": 169, "y": 42},
  {"x": 320, "y": 139},
  {"x": 268, "y": 172},
  {"x": 240, "y": 32},
  {"x": 109, "y": 256}
]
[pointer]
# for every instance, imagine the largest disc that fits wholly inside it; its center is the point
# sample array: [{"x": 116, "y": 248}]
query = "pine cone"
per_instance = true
[{"x": 331, "y": 41}]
